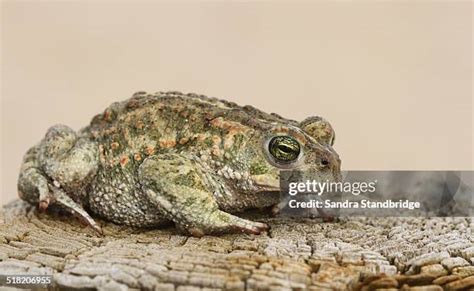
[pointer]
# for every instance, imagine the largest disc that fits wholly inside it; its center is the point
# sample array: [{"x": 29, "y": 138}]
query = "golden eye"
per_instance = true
[{"x": 284, "y": 149}]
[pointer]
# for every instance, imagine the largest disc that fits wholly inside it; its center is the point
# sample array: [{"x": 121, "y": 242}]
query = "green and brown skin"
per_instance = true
[{"x": 168, "y": 156}]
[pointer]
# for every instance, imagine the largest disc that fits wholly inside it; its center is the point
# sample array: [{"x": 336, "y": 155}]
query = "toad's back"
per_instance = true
[{"x": 149, "y": 123}]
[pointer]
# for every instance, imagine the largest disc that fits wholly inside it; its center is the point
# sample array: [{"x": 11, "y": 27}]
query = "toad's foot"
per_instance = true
[
  {"x": 59, "y": 197},
  {"x": 221, "y": 222}
]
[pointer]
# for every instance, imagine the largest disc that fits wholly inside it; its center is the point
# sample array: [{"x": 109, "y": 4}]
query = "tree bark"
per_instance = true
[{"x": 352, "y": 254}]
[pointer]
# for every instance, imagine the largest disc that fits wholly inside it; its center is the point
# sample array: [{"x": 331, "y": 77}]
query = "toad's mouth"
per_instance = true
[{"x": 266, "y": 183}]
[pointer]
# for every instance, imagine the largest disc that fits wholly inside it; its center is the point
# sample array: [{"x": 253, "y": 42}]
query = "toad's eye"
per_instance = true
[{"x": 284, "y": 149}]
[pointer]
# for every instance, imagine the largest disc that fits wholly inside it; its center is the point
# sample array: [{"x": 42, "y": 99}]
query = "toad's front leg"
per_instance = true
[{"x": 175, "y": 185}]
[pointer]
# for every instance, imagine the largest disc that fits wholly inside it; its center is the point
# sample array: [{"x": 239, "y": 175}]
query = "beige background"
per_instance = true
[{"x": 394, "y": 78}]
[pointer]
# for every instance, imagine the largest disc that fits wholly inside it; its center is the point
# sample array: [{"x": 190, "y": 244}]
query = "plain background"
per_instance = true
[{"x": 394, "y": 78}]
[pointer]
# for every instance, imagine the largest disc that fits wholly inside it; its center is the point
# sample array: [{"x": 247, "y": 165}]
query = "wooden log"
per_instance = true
[{"x": 352, "y": 254}]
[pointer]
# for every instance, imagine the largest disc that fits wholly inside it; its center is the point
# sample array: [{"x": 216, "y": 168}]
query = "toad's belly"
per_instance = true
[{"x": 117, "y": 196}]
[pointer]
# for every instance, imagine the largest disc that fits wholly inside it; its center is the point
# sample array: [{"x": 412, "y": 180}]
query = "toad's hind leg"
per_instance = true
[
  {"x": 56, "y": 170},
  {"x": 70, "y": 160},
  {"x": 174, "y": 184},
  {"x": 34, "y": 187}
]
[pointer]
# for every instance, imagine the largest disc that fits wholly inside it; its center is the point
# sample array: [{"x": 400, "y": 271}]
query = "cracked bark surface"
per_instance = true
[{"x": 354, "y": 254}]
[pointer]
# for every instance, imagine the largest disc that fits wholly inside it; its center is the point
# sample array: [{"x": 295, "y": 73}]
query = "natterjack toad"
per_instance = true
[{"x": 169, "y": 156}]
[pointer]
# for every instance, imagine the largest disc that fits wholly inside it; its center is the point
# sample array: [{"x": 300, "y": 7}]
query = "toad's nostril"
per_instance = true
[{"x": 324, "y": 162}]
